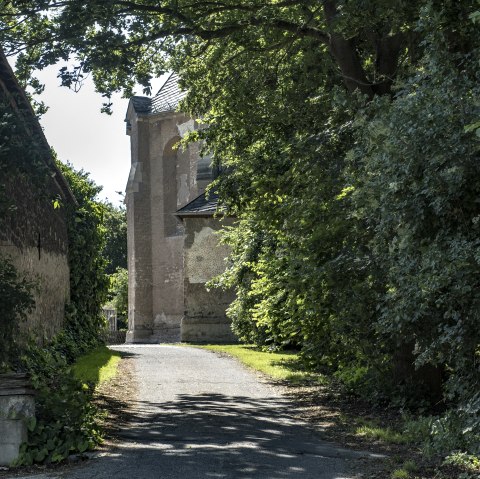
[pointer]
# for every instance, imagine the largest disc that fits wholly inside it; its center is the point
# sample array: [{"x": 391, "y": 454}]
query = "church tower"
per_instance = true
[{"x": 164, "y": 179}]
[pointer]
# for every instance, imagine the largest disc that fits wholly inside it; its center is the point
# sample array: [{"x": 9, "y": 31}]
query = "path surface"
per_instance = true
[{"x": 199, "y": 415}]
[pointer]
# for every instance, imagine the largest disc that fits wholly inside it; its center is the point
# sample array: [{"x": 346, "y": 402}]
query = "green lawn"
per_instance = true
[
  {"x": 284, "y": 366},
  {"x": 97, "y": 366}
]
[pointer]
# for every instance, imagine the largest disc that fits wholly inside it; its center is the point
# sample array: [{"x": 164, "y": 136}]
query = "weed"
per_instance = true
[
  {"x": 410, "y": 466},
  {"x": 400, "y": 474},
  {"x": 372, "y": 430}
]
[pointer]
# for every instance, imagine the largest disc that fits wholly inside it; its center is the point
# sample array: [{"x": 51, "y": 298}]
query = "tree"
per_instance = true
[
  {"x": 118, "y": 295},
  {"x": 123, "y": 42},
  {"x": 115, "y": 250},
  {"x": 351, "y": 159}
]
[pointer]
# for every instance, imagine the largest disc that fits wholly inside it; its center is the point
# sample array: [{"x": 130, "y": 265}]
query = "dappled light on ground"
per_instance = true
[{"x": 217, "y": 436}]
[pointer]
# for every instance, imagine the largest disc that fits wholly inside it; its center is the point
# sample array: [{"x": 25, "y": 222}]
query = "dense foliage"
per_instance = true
[
  {"x": 21, "y": 158},
  {"x": 349, "y": 129},
  {"x": 65, "y": 416},
  {"x": 115, "y": 249},
  {"x": 118, "y": 296},
  {"x": 22, "y": 155},
  {"x": 17, "y": 300},
  {"x": 66, "y": 420},
  {"x": 115, "y": 254},
  {"x": 88, "y": 281},
  {"x": 417, "y": 170}
]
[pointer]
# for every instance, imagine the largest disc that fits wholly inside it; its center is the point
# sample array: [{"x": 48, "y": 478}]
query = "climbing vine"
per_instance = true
[
  {"x": 16, "y": 301},
  {"x": 21, "y": 161},
  {"x": 88, "y": 281},
  {"x": 66, "y": 419}
]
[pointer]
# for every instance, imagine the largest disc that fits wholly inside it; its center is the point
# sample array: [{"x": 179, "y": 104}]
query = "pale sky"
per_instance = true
[{"x": 88, "y": 139}]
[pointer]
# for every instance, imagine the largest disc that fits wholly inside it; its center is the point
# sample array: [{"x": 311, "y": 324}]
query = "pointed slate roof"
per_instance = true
[
  {"x": 167, "y": 98},
  {"x": 142, "y": 104}
]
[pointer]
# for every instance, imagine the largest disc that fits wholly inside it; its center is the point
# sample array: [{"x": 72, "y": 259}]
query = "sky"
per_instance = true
[{"x": 85, "y": 137}]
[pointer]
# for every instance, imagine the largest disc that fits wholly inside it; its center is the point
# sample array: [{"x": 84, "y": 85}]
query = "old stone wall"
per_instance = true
[
  {"x": 162, "y": 179},
  {"x": 139, "y": 233},
  {"x": 204, "y": 258},
  {"x": 173, "y": 184},
  {"x": 166, "y": 301},
  {"x": 33, "y": 234}
]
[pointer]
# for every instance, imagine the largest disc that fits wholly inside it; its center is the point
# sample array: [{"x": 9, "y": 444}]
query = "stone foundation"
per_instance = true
[
  {"x": 17, "y": 405},
  {"x": 207, "y": 330}
]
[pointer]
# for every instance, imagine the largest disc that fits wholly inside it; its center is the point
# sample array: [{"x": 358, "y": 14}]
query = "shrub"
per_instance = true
[{"x": 65, "y": 420}]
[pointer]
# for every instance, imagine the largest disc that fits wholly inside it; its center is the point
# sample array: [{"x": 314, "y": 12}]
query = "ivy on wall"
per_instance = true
[
  {"x": 66, "y": 419},
  {"x": 19, "y": 159},
  {"x": 88, "y": 281},
  {"x": 16, "y": 301}
]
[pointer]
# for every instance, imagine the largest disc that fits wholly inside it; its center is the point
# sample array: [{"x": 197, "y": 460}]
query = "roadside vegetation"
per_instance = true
[
  {"x": 286, "y": 366},
  {"x": 348, "y": 134},
  {"x": 117, "y": 297},
  {"x": 97, "y": 366},
  {"x": 66, "y": 419},
  {"x": 342, "y": 416}
]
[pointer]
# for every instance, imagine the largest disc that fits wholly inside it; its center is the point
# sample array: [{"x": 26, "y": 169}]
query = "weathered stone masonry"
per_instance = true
[
  {"x": 204, "y": 258},
  {"x": 163, "y": 180},
  {"x": 34, "y": 234}
]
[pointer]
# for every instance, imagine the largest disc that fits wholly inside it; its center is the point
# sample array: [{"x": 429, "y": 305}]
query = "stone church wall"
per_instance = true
[
  {"x": 204, "y": 258},
  {"x": 165, "y": 303},
  {"x": 162, "y": 178}
]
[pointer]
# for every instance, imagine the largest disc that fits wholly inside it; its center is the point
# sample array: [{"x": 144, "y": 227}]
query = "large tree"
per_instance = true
[
  {"x": 123, "y": 42},
  {"x": 115, "y": 249},
  {"x": 344, "y": 126}
]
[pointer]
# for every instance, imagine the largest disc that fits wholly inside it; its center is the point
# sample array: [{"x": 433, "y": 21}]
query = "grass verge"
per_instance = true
[
  {"x": 98, "y": 366},
  {"x": 284, "y": 366},
  {"x": 371, "y": 430},
  {"x": 348, "y": 420}
]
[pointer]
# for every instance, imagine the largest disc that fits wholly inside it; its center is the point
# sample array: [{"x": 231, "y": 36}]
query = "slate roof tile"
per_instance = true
[
  {"x": 200, "y": 206},
  {"x": 142, "y": 104},
  {"x": 168, "y": 97}
]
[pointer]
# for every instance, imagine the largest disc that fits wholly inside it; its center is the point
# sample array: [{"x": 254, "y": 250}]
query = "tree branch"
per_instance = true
[
  {"x": 388, "y": 53},
  {"x": 346, "y": 56}
]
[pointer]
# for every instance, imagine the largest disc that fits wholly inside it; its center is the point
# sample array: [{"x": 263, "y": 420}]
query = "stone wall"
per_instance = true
[
  {"x": 204, "y": 258},
  {"x": 140, "y": 320},
  {"x": 166, "y": 301},
  {"x": 162, "y": 179},
  {"x": 33, "y": 234}
]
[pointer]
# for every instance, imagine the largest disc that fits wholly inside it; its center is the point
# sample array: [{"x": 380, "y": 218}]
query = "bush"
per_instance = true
[
  {"x": 118, "y": 295},
  {"x": 65, "y": 420}
]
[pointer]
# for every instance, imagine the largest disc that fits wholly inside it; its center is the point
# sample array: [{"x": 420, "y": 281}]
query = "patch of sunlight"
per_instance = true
[
  {"x": 371, "y": 430},
  {"x": 98, "y": 366},
  {"x": 285, "y": 366}
]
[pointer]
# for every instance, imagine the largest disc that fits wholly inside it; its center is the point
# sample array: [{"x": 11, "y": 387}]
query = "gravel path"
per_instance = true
[{"x": 199, "y": 415}]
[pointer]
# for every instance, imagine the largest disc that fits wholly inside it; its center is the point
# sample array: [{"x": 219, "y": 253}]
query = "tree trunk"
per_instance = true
[{"x": 428, "y": 377}]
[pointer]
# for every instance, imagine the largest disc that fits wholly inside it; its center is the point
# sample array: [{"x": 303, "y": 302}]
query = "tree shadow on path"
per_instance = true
[{"x": 218, "y": 436}]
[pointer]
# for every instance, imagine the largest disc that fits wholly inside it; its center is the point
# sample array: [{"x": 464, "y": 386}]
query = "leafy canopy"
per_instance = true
[
  {"x": 348, "y": 128},
  {"x": 125, "y": 42}
]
